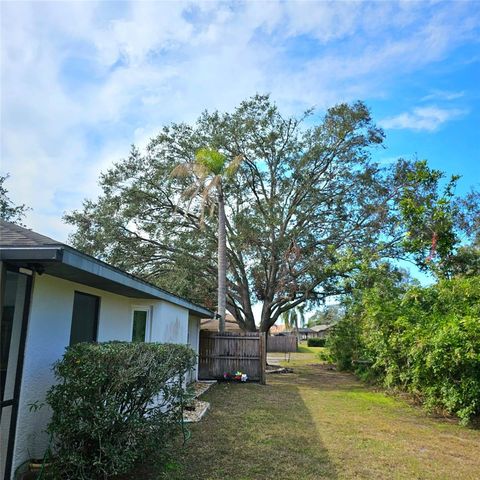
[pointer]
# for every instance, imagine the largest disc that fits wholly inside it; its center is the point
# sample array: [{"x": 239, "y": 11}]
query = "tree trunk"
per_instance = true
[
  {"x": 222, "y": 262},
  {"x": 296, "y": 327}
]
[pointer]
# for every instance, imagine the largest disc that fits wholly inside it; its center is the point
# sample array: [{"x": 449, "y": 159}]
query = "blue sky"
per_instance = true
[{"x": 81, "y": 81}]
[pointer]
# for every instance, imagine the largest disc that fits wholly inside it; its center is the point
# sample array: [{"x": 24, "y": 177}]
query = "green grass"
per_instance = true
[
  {"x": 317, "y": 423},
  {"x": 303, "y": 348}
]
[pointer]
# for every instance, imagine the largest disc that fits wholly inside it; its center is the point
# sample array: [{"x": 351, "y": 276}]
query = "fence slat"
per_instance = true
[
  {"x": 229, "y": 352},
  {"x": 286, "y": 343}
]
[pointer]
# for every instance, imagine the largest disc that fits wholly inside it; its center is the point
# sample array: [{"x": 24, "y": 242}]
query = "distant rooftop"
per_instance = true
[
  {"x": 321, "y": 328},
  {"x": 212, "y": 325},
  {"x": 305, "y": 330},
  {"x": 280, "y": 328}
]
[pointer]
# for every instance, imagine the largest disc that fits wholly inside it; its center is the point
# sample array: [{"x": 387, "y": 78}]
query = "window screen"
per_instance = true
[
  {"x": 84, "y": 319},
  {"x": 139, "y": 325}
]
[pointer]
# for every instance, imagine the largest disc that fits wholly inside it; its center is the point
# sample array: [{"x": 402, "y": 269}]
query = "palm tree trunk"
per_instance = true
[
  {"x": 222, "y": 261},
  {"x": 296, "y": 328}
]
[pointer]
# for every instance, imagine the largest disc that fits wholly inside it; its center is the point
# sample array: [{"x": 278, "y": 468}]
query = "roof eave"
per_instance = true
[
  {"x": 32, "y": 254},
  {"x": 81, "y": 262}
]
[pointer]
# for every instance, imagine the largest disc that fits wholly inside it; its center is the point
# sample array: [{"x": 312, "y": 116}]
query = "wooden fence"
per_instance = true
[
  {"x": 282, "y": 343},
  {"x": 229, "y": 352}
]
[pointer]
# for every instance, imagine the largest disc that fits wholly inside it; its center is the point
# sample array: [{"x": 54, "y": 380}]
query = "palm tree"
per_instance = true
[
  {"x": 292, "y": 317},
  {"x": 210, "y": 170}
]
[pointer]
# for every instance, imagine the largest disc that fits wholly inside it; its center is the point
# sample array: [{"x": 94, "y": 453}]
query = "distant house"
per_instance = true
[
  {"x": 53, "y": 296},
  {"x": 306, "y": 333},
  {"x": 278, "y": 329},
  {"x": 321, "y": 331},
  {"x": 211, "y": 324}
]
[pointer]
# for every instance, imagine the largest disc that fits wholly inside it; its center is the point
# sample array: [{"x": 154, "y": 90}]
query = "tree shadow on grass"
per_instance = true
[{"x": 255, "y": 432}]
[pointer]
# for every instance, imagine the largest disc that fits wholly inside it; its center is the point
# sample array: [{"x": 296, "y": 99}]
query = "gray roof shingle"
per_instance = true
[{"x": 12, "y": 235}]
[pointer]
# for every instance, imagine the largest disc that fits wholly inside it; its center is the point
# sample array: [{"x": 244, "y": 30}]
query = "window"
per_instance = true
[
  {"x": 84, "y": 318},
  {"x": 140, "y": 325}
]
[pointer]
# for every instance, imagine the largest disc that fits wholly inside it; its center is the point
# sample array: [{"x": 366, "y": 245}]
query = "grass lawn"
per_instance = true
[
  {"x": 317, "y": 423},
  {"x": 303, "y": 348}
]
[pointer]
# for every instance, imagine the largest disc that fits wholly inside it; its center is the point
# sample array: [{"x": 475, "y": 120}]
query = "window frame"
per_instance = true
[
  {"x": 148, "y": 321},
  {"x": 14, "y": 402}
]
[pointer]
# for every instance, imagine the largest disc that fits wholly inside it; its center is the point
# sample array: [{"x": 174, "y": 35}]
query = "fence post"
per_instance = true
[{"x": 263, "y": 356}]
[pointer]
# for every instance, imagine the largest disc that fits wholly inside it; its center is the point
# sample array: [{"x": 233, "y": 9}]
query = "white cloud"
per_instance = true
[
  {"x": 422, "y": 118},
  {"x": 81, "y": 81},
  {"x": 443, "y": 95}
]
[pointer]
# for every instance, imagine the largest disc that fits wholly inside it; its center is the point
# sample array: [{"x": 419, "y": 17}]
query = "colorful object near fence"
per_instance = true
[{"x": 237, "y": 376}]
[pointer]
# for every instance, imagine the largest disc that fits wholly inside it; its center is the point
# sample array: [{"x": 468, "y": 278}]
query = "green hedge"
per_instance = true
[
  {"x": 115, "y": 405},
  {"x": 423, "y": 340},
  {"x": 316, "y": 342}
]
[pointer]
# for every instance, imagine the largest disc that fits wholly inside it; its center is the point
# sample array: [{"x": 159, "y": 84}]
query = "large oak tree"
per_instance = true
[{"x": 306, "y": 208}]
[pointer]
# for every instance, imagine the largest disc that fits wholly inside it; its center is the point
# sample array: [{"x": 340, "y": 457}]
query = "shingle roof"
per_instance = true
[
  {"x": 212, "y": 324},
  {"x": 12, "y": 235},
  {"x": 305, "y": 330},
  {"x": 274, "y": 329},
  {"x": 321, "y": 328}
]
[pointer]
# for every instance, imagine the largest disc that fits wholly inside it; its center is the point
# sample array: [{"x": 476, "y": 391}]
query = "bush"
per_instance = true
[
  {"x": 115, "y": 405},
  {"x": 343, "y": 343},
  {"x": 316, "y": 342},
  {"x": 423, "y": 340}
]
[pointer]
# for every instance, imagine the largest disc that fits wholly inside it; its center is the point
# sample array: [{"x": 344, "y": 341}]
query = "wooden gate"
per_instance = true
[{"x": 229, "y": 352}]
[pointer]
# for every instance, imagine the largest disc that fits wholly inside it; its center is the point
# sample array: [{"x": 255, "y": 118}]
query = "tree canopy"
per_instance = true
[
  {"x": 8, "y": 210},
  {"x": 306, "y": 208}
]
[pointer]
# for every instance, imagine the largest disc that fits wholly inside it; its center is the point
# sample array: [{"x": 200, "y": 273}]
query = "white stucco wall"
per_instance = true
[
  {"x": 48, "y": 335},
  {"x": 169, "y": 323}
]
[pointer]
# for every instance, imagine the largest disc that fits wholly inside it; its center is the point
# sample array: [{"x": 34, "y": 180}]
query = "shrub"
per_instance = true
[
  {"x": 324, "y": 356},
  {"x": 115, "y": 405},
  {"x": 343, "y": 343},
  {"x": 423, "y": 340},
  {"x": 316, "y": 342}
]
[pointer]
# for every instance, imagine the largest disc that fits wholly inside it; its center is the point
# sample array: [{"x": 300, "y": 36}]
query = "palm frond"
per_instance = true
[
  {"x": 201, "y": 171},
  {"x": 182, "y": 170},
  {"x": 212, "y": 209},
  {"x": 192, "y": 191},
  {"x": 233, "y": 166},
  {"x": 208, "y": 188}
]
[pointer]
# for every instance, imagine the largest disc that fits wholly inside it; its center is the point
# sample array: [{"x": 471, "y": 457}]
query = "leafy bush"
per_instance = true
[
  {"x": 316, "y": 342},
  {"x": 324, "y": 356},
  {"x": 343, "y": 343},
  {"x": 423, "y": 340},
  {"x": 116, "y": 404}
]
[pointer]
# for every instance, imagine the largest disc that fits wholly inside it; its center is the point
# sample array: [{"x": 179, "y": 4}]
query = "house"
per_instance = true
[
  {"x": 53, "y": 296},
  {"x": 320, "y": 331},
  {"x": 211, "y": 324},
  {"x": 305, "y": 333},
  {"x": 280, "y": 329}
]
